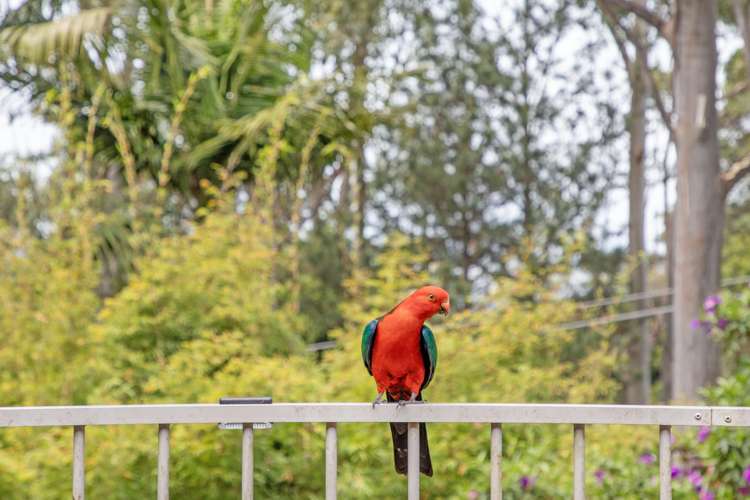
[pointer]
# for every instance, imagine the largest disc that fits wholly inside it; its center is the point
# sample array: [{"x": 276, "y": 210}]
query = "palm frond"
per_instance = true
[{"x": 37, "y": 43}]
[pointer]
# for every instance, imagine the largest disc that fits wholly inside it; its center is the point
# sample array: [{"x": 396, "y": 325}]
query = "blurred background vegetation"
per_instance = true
[{"x": 237, "y": 186}]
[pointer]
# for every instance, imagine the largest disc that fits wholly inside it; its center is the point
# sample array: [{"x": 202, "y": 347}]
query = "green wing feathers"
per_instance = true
[
  {"x": 429, "y": 355},
  {"x": 368, "y": 340}
]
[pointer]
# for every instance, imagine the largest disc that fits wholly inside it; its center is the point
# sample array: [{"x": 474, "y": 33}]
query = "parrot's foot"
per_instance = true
[
  {"x": 378, "y": 400},
  {"x": 410, "y": 401}
]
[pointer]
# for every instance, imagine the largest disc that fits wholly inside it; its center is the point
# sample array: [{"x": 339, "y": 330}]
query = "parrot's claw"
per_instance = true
[
  {"x": 410, "y": 401},
  {"x": 378, "y": 400}
]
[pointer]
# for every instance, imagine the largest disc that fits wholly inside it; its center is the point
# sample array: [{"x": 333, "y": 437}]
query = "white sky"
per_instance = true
[{"x": 21, "y": 133}]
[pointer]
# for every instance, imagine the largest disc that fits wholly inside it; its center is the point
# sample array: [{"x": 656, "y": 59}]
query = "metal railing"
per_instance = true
[{"x": 579, "y": 416}]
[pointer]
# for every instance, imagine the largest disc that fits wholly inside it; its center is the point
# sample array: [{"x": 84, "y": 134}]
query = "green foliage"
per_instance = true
[
  {"x": 630, "y": 469},
  {"x": 725, "y": 454},
  {"x": 727, "y": 317},
  {"x": 204, "y": 317},
  {"x": 47, "y": 301},
  {"x": 200, "y": 89},
  {"x": 211, "y": 294},
  {"x": 734, "y": 262}
]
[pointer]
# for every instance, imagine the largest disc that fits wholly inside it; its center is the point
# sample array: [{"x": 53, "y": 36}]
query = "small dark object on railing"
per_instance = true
[{"x": 267, "y": 400}]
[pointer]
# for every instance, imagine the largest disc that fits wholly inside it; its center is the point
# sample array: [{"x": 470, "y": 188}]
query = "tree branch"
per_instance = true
[
  {"x": 653, "y": 90},
  {"x": 735, "y": 174},
  {"x": 738, "y": 89},
  {"x": 665, "y": 114},
  {"x": 612, "y": 24},
  {"x": 664, "y": 26}
]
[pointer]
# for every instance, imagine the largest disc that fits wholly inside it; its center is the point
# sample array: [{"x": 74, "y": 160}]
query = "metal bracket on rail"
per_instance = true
[{"x": 266, "y": 400}]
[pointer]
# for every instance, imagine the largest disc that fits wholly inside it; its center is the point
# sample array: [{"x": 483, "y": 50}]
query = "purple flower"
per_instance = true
[
  {"x": 527, "y": 482},
  {"x": 676, "y": 471},
  {"x": 703, "y": 433},
  {"x": 647, "y": 458},
  {"x": 472, "y": 495},
  {"x": 599, "y": 475},
  {"x": 711, "y": 303},
  {"x": 722, "y": 323},
  {"x": 746, "y": 474},
  {"x": 695, "y": 479},
  {"x": 744, "y": 491},
  {"x": 707, "y": 495},
  {"x": 697, "y": 324}
]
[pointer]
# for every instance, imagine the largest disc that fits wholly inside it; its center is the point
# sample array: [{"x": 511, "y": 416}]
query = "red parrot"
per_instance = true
[{"x": 400, "y": 352}]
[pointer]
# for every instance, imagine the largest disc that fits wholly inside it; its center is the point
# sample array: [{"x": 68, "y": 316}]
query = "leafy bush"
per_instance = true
[
  {"x": 726, "y": 451},
  {"x": 206, "y": 316},
  {"x": 720, "y": 461}
]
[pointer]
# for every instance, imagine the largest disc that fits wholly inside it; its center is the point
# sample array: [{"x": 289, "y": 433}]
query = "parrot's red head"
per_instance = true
[{"x": 428, "y": 301}]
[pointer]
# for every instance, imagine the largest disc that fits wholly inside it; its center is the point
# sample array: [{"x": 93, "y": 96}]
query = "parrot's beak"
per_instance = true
[{"x": 445, "y": 308}]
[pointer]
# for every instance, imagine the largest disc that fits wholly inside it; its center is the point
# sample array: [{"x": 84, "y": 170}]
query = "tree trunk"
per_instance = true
[
  {"x": 742, "y": 17},
  {"x": 638, "y": 388},
  {"x": 360, "y": 208},
  {"x": 666, "y": 354},
  {"x": 700, "y": 205},
  {"x": 357, "y": 96}
]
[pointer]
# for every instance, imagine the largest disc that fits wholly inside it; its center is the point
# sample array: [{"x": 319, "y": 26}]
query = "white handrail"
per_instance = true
[
  {"x": 331, "y": 413},
  {"x": 36, "y": 416}
]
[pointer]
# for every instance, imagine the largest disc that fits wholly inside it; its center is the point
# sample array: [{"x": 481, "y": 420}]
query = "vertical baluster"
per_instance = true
[
  {"x": 247, "y": 462},
  {"x": 162, "y": 471},
  {"x": 331, "y": 460},
  {"x": 413, "y": 460},
  {"x": 579, "y": 462},
  {"x": 496, "y": 457},
  {"x": 79, "y": 470},
  {"x": 665, "y": 462}
]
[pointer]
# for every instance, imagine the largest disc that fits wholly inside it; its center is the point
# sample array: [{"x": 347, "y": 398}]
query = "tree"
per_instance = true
[
  {"x": 199, "y": 96},
  {"x": 477, "y": 170},
  {"x": 638, "y": 377},
  {"x": 702, "y": 187}
]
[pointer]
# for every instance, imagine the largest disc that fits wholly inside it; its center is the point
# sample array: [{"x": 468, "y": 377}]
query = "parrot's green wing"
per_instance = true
[
  {"x": 368, "y": 340},
  {"x": 429, "y": 354}
]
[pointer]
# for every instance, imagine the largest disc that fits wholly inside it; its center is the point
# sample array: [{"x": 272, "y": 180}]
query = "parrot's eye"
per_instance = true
[{"x": 431, "y": 298}]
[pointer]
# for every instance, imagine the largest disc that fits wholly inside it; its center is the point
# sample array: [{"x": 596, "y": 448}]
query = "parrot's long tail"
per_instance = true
[{"x": 401, "y": 445}]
